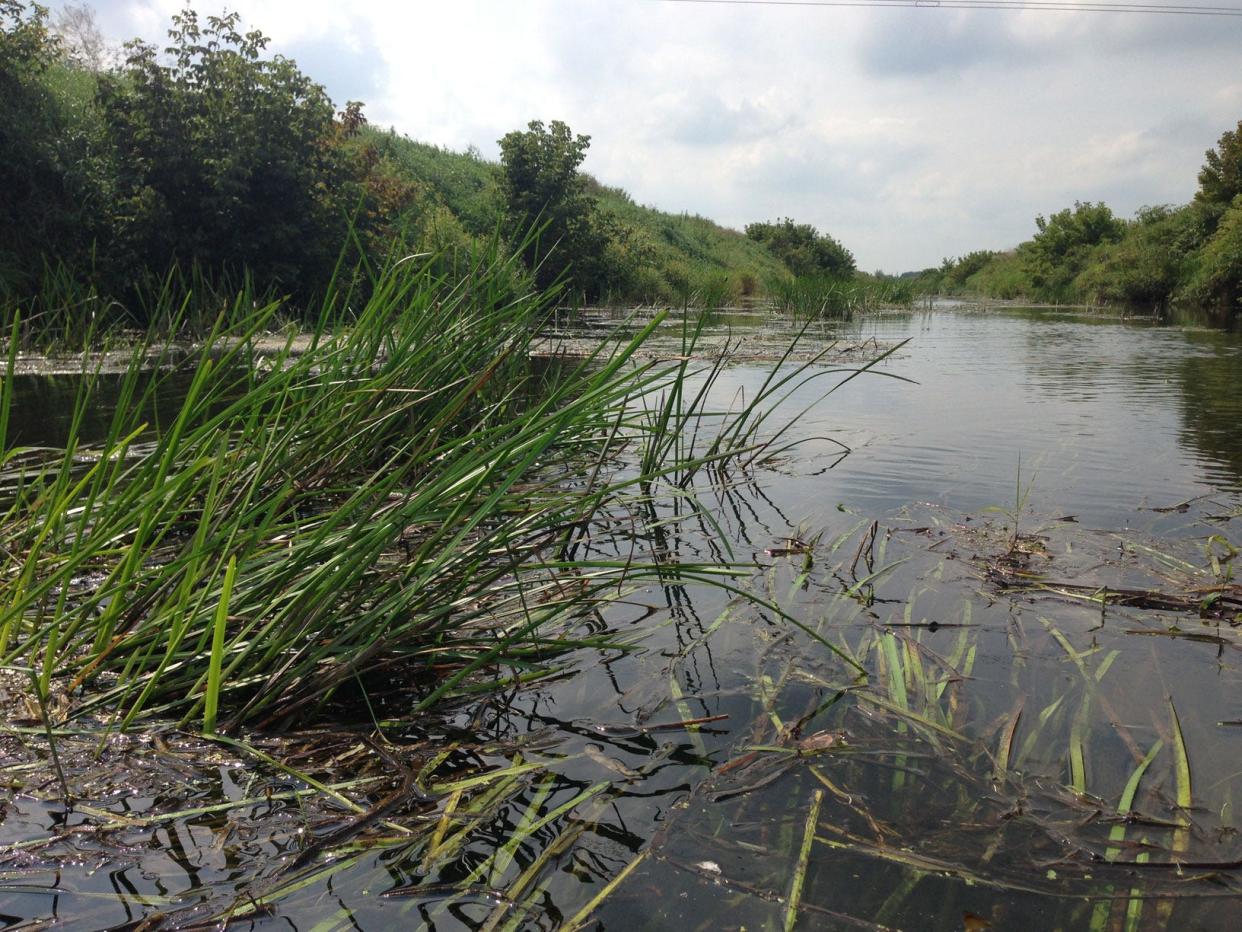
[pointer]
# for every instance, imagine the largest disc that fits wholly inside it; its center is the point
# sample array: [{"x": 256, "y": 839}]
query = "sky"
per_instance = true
[{"x": 909, "y": 134}]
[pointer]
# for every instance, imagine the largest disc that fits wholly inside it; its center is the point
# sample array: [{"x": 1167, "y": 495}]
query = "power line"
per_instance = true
[{"x": 1064, "y": 6}]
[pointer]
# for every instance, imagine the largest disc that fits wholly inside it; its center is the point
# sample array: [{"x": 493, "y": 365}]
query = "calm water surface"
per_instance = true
[
  {"x": 1107, "y": 416},
  {"x": 975, "y": 777}
]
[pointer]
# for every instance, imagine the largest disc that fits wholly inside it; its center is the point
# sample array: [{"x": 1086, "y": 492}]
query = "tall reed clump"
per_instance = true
[
  {"x": 400, "y": 500},
  {"x": 819, "y": 297},
  {"x": 815, "y": 297}
]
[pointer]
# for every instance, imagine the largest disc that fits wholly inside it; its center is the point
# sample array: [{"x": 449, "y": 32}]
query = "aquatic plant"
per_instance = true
[
  {"x": 399, "y": 497},
  {"x": 1059, "y": 776},
  {"x": 834, "y": 297}
]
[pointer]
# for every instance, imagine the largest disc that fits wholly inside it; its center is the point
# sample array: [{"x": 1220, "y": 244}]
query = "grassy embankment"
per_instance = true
[
  {"x": 666, "y": 257},
  {"x": 657, "y": 257}
]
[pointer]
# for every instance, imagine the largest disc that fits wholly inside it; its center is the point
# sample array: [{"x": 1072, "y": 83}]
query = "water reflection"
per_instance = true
[
  {"x": 1103, "y": 412},
  {"x": 44, "y": 406},
  {"x": 1212, "y": 405}
]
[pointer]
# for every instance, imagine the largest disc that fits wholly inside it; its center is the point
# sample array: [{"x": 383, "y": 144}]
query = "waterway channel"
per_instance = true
[{"x": 1030, "y": 551}]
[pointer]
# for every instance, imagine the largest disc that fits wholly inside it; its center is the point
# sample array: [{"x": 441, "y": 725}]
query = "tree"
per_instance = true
[
  {"x": 803, "y": 249},
  {"x": 1061, "y": 248},
  {"x": 1217, "y": 277},
  {"x": 543, "y": 193},
  {"x": 49, "y": 153},
  {"x": 29, "y": 169},
  {"x": 82, "y": 40},
  {"x": 957, "y": 276},
  {"x": 1068, "y": 231},
  {"x": 226, "y": 158},
  {"x": 1220, "y": 179},
  {"x": 28, "y": 46},
  {"x": 1144, "y": 267}
]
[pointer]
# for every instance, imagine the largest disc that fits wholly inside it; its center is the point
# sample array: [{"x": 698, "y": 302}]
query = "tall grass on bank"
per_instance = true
[
  {"x": 819, "y": 297},
  {"x": 396, "y": 501},
  {"x": 66, "y": 313}
]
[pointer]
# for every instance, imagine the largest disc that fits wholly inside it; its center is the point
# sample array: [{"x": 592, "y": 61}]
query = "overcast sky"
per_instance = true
[{"x": 908, "y": 134}]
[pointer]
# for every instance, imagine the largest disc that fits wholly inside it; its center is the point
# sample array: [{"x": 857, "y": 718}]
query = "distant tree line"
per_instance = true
[{"x": 1189, "y": 255}]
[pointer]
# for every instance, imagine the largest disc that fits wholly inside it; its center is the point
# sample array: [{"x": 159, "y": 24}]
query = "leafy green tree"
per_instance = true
[
  {"x": 542, "y": 190},
  {"x": 1145, "y": 266},
  {"x": 956, "y": 278},
  {"x": 1061, "y": 248},
  {"x": 1220, "y": 179},
  {"x": 1220, "y": 182},
  {"x": 1067, "y": 232},
  {"x": 803, "y": 249},
  {"x": 930, "y": 281},
  {"x": 1216, "y": 280},
  {"x": 225, "y": 157},
  {"x": 27, "y": 124},
  {"x": 950, "y": 276},
  {"x": 47, "y": 155}
]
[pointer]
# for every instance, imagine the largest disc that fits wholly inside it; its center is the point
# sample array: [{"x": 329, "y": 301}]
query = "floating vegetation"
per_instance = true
[
  {"x": 740, "y": 335},
  {"x": 1000, "y": 753}
]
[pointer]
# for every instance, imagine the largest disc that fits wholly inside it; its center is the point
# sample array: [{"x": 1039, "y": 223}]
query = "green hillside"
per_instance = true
[{"x": 667, "y": 257}]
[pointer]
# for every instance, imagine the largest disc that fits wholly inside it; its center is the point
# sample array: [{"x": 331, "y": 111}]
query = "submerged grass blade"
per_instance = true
[
  {"x": 1004, "y": 750},
  {"x": 1181, "y": 767},
  {"x": 1079, "y": 733},
  {"x": 804, "y": 857},
  {"x": 530, "y": 823},
  {"x": 579, "y": 919},
  {"x": 1126, "y": 803}
]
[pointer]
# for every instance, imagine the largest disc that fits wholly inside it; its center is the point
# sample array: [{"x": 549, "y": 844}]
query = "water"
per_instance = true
[
  {"x": 975, "y": 776},
  {"x": 1106, "y": 415}
]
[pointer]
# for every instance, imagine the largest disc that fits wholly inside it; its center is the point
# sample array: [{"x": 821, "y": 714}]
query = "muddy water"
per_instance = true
[{"x": 1024, "y": 752}]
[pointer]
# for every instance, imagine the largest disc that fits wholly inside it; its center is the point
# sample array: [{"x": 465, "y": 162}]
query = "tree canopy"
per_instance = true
[
  {"x": 1220, "y": 179},
  {"x": 223, "y": 155},
  {"x": 36, "y": 202},
  {"x": 544, "y": 194},
  {"x": 803, "y": 249},
  {"x": 1055, "y": 256}
]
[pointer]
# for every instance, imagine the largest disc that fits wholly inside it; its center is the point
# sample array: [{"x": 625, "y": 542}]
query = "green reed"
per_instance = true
[
  {"x": 828, "y": 297},
  {"x": 396, "y": 493}
]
